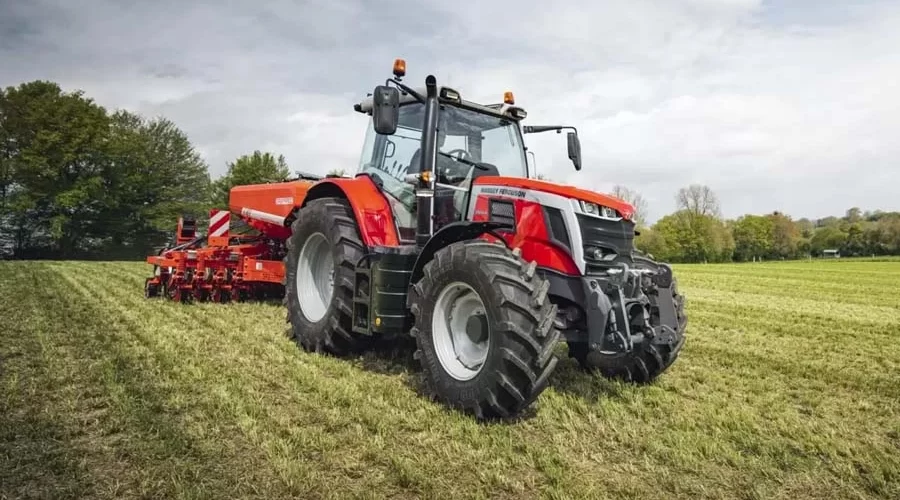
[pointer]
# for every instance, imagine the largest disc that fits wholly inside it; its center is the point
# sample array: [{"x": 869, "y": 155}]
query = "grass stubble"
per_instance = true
[{"x": 788, "y": 387}]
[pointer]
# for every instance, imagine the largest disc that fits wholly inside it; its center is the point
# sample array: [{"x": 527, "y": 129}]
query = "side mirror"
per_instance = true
[
  {"x": 574, "y": 147},
  {"x": 385, "y": 109}
]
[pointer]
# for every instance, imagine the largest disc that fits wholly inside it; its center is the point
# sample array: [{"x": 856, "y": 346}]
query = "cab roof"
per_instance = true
[{"x": 501, "y": 110}]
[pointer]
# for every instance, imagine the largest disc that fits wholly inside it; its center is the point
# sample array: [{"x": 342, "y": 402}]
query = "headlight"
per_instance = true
[
  {"x": 597, "y": 210},
  {"x": 590, "y": 208},
  {"x": 593, "y": 253}
]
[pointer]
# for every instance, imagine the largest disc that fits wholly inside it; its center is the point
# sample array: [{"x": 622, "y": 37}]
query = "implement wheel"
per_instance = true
[
  {"x": 323, "y": 250},
  {"x": 484, "y": 329},
  {"x": 151, "y": 288}
]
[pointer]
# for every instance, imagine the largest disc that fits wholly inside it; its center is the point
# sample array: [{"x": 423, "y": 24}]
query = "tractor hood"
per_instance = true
[{"x": 625, "y": 209}]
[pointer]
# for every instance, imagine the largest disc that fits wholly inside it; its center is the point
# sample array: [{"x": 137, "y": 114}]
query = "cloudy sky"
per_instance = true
[{"x": 791, "y": 105}]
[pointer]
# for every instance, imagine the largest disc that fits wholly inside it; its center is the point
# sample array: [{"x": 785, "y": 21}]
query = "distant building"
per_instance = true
[{"x": 831, "y": 253}]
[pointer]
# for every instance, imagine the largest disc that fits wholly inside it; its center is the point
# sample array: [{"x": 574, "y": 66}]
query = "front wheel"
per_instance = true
[{"x": 484, "y": 329}]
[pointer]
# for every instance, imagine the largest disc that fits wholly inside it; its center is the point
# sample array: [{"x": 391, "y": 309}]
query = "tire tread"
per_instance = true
[
  {"x": 338, "y": 337},
  {"x": 526, "y": 338}
]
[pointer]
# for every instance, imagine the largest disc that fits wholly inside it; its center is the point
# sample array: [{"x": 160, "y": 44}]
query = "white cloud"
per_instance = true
[{"x": 790, "y": 107}]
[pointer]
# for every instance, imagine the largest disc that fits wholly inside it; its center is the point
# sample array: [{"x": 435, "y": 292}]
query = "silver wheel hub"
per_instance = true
[
  {"x": 315, "y": 277},
  {"x": 460, "y": 331}
]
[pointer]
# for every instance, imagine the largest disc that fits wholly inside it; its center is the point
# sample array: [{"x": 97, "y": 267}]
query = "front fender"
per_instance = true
[{"x": 451, "y": 233}]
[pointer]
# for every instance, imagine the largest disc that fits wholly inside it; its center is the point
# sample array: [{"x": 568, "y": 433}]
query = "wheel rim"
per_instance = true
[
  {"x": 460, "y": 331},
  {"x": 315, "y": 277}
]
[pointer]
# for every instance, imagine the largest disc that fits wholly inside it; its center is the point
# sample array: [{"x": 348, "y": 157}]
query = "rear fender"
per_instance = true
[{"x": 373, "y": 213}]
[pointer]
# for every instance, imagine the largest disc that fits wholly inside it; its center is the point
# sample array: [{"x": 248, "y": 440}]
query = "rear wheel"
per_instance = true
[
  {"x": 323, "y": 250},
  {"x": 484, "y": 329}
]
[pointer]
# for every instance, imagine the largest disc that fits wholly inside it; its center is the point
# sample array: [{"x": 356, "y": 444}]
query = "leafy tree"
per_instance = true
[
  {"x": 653, "y": 242},
  {"x": 154, "y": 175},
  {"x": 829, "y": 221},
  {"x": 692, "y": 237},
  {"x": 52, "y": 184},
  {"x": 806, "y": 227},
  {"x": 76, "y": 181},
  {"x": 255, "y": 168},
  {"x": 855, "y": 243},
  {"x": 753, "y": 236},
  {"x": 722, "y": 239},
  {"x": 826, "y": 238},
  {"x": 889, "y": 233},
  {"x": 785, "y": 236}
]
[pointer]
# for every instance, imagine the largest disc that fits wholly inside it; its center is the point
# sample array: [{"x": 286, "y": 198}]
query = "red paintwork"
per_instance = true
[
  {"x": 221, "y": 271},
  {"x": 532, "y": 235},
  {"x": 624, "y": 208},
  {"x": 210, "y": 273},
  {"x": 280, "y": 198},
  {"x": 373, "y": 213}
]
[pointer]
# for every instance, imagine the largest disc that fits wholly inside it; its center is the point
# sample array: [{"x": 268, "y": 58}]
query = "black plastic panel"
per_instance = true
[
  {"x": 502, "y": 211},
  {"x": 390, "y": 274},
  {"x": 611, "y": 236},
  {"x": 557, "y": 227}
]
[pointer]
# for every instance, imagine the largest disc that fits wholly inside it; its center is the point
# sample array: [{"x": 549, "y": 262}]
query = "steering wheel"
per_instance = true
[
  {"x": 459, "y": 168},
  {"x": 463, "y": 154}
]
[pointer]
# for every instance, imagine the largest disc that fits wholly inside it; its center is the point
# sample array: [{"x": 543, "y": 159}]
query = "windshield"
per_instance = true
[{"x": 468, "y": 136}]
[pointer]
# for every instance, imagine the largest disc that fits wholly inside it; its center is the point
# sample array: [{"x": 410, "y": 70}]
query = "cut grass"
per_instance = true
[{"x": 788, "y": 387}]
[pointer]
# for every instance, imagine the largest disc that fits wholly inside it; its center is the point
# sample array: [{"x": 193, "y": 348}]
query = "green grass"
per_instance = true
[{"x": 788, "y": 387}]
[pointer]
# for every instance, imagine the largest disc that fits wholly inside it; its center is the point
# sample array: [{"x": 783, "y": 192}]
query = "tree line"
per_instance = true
[
  {"x": 80, "y": 181},
  {"x": 697, "y": 232}
]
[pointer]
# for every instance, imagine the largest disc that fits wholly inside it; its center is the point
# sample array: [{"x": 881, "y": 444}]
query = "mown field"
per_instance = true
[{"x": 788, "y": 387}]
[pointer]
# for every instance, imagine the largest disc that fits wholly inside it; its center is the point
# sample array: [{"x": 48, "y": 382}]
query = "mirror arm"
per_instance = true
[
  {"x": 406, "y": 89},
  {"x": 534, "y": 129}
]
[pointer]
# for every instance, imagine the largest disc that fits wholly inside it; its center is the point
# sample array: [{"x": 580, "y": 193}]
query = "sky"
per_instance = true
[{"x": 790, "y": 106}]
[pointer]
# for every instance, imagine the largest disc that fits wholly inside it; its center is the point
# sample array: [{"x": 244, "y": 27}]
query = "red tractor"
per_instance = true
[{"x": 443, "y": 236}]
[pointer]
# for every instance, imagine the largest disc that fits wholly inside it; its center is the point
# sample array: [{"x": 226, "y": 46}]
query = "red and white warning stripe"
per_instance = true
[{"x": 219, "y": 221}]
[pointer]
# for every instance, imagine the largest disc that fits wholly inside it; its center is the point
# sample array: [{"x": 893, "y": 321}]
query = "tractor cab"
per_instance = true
[{"x": 471, "y": 140}]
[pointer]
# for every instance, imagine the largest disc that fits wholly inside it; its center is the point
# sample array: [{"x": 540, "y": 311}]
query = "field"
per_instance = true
[{"x": 788, "y": 387}]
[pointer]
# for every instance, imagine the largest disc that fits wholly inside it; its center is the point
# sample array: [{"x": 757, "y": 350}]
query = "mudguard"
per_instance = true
[
  {"x": 451, "y": 233},
  {"x": 373, "y": 212}
]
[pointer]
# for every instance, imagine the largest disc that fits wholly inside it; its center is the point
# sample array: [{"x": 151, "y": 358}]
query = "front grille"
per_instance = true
[
  {"x": 502, "y": 211},
  {"x": 612, "y": 238}
]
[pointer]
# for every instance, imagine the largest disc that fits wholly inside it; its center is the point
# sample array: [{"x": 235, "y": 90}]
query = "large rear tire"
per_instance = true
[
  {"x": 323, "y": 251},
  {"x": 486, "y": 299}
]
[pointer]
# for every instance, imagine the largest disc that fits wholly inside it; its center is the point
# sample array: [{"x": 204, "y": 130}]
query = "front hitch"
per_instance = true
[{"x": 632, "y": 313}]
